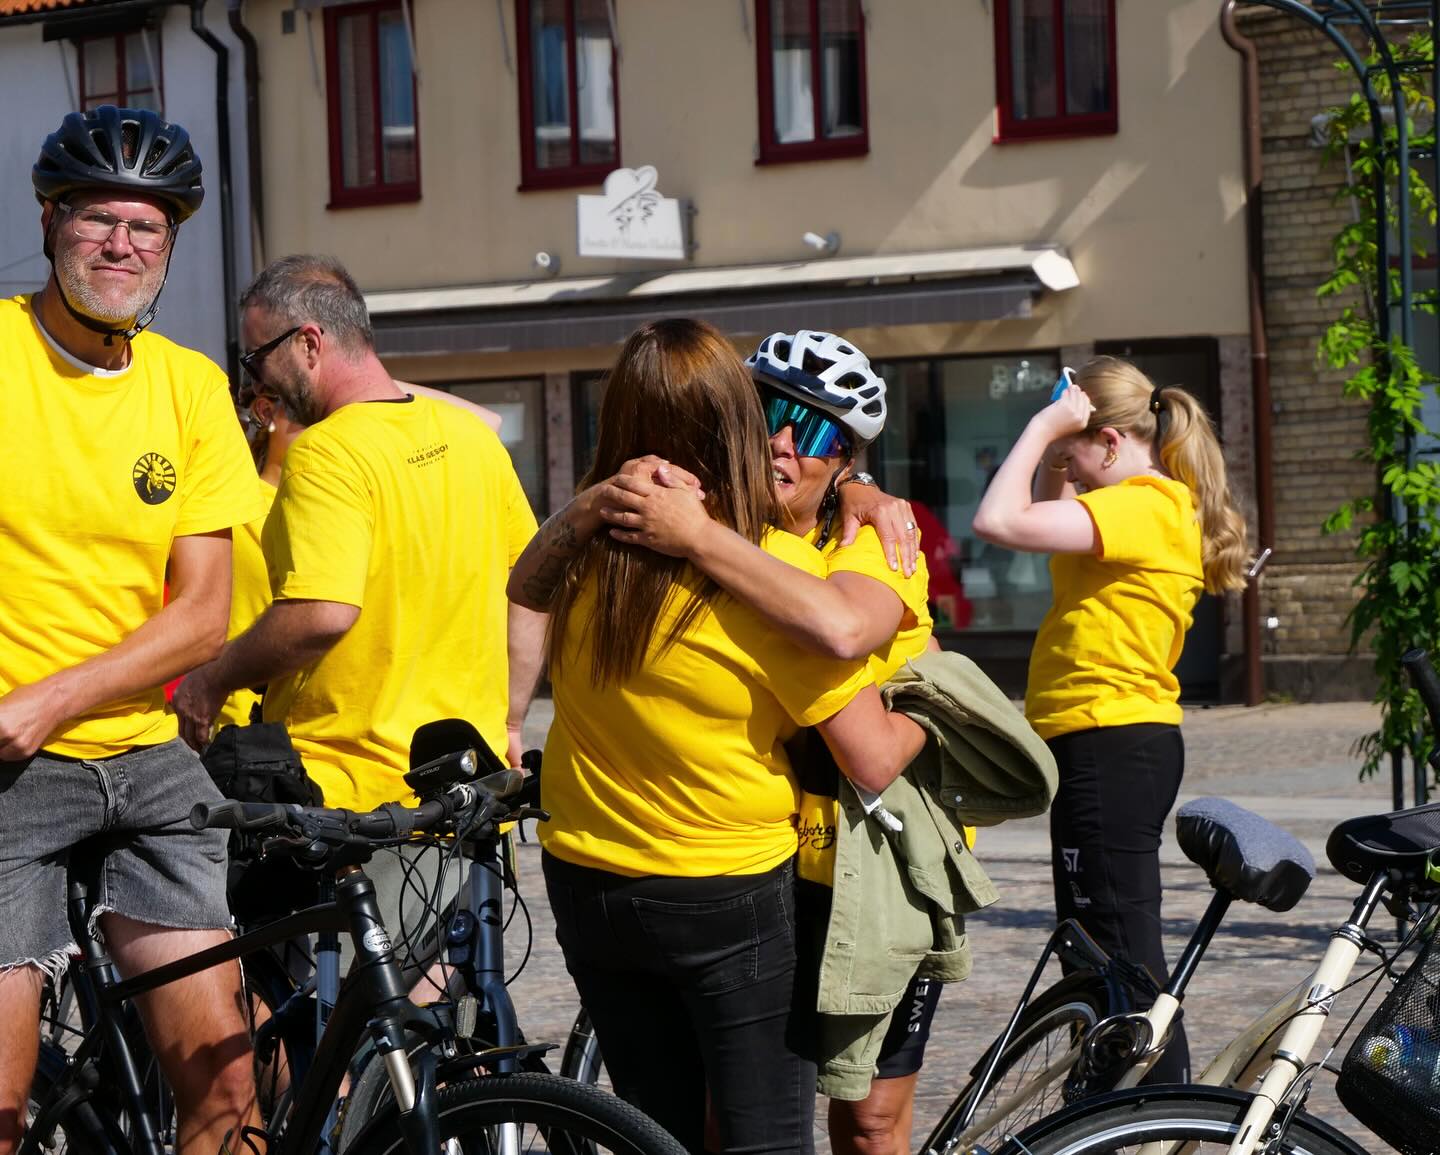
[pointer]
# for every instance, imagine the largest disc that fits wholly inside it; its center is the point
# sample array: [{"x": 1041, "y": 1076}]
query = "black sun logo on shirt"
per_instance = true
[{"x": 154, "y": 478}]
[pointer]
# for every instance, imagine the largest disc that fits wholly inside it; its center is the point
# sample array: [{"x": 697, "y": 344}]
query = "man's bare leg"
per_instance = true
[
  {"x": 198, "y": 1030},
  {"x": 20, "y": 989}
]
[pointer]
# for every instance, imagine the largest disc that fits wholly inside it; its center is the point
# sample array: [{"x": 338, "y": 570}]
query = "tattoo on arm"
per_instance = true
[{"x": 558, "y": 544}]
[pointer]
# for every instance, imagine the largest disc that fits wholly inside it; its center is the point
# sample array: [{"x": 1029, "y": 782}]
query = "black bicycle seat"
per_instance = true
[
  {"x": 1401, "y": 841},
  {"x": 1243, "y": 854}
]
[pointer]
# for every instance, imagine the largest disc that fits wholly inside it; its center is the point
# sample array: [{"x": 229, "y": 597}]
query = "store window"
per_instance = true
[
  {"x": 1054, "y": 68},
  {"x": 569, "y": 115},
  {"x": 951, "y": 423},
  {"x": 586, "y": 389},
  {"x": 121, "y": 70},
  {"x": 811, "y": 74},
  {"x": 374, "y": 134},
  {"x": 521, "y": 406}
]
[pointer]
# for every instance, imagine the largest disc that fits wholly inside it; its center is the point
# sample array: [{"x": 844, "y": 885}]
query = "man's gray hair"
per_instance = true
[{"x": 306, "y": 287}]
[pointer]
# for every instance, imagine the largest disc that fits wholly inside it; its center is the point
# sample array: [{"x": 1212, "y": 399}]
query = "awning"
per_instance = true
[{"x": 959, "y": 285}]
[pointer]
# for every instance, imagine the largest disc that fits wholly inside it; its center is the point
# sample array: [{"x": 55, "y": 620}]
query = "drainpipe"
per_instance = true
[
  {"x": 227, "y": 198},
  {"x": 252, "y": 129},
  {"x": 1259, "y": 347}
]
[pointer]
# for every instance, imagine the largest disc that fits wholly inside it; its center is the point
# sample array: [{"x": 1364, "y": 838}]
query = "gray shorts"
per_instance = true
[{"x": 156, "y": 868}]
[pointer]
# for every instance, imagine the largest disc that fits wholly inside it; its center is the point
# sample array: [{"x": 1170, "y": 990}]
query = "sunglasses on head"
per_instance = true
[{"x": 815, "y": 434}]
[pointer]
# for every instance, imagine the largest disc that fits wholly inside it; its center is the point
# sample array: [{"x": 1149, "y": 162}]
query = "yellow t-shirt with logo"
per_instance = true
[
  {"x": 819, "y": 812},
  {"x": 681, "y": 770},
  {"x": 411, "y": 511},
  {"x": 249, "y": 595},
  {"x": 106, "y": 471},
  {"x": 1104, "y": 653}
]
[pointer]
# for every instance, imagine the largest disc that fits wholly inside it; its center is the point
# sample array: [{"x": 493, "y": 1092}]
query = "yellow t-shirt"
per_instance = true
[
  {"x": 681, "y": 770},
  {"x": 410, "y": 510},
  {"x": 106, "y": 471},
  {"x": 819, "y": 812},
  {"x": 249, "y": 595},
  {"x": 1104, "y": 653}
]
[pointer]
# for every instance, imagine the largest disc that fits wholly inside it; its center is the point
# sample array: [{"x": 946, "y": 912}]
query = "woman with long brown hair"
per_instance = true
[
  {"x": 669, "y": 853},
  {"x": 1130, "y": 498}
]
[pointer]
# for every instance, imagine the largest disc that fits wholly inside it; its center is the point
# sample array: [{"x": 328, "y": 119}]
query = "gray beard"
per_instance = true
[{"x": 70, "y": 271}]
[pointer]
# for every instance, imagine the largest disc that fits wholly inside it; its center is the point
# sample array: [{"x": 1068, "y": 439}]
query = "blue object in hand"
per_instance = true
[{"x": 1067, "y": 378}]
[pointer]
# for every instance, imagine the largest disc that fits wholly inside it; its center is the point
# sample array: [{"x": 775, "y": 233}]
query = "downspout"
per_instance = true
[
  {"x": 1259, "y": 347},
  {"x": 227, "y": 198},
  {"x": 252, "y": 130}
]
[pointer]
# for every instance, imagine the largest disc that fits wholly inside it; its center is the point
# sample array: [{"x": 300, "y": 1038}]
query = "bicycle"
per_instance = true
[
  {"x": 1083, "y": 1035},
  {"x": 445, "y": 1093},
  {"x": 1395, "y": 858}
]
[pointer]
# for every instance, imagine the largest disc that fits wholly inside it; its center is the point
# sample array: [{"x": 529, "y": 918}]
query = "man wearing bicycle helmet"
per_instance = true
[{"x": 126, "y": 465}]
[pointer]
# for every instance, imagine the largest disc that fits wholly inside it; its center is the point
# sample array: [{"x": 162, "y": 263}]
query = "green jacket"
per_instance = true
[{"x": 900, "y": 897}]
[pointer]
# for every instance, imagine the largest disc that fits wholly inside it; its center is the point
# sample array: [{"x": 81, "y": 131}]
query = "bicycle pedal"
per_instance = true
[{"x": 467, "y": 1014}]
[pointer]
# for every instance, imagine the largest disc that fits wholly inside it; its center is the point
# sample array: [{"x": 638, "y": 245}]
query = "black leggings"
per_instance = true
[
  {"x": 1117, "y": 785},
  {"x": 689, "y": 984}
]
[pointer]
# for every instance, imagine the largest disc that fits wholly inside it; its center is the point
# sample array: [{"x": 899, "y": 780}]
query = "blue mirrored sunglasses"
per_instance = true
[{"x": 815, "y": 434}]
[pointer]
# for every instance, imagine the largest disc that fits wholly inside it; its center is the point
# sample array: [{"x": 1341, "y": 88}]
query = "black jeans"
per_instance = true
[
  {"x": 1117, "y": 785},
  {"x": 688, "y": 982}
]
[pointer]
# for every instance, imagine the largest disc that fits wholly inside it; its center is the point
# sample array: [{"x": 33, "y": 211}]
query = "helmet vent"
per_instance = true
[
  {"x": 873, "y": 408},
  {"x": 782, "y": 350},
  {"x": 813, "y": 364},
  {"x": 153, "y": 157},
  {"x": 102, "y": 146},
  {"x": 849, "y": 352},
  {"x": 851, "y": 380},
  {"x": 129, "y": 142}
]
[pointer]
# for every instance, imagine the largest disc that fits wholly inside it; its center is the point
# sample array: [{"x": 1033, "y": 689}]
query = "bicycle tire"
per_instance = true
[
  {"x": 558, "y": 1115},
  {"x": 1201, "y": 1118},
  {"x": 581, "y": 1059},
  {"x": 84, "y": 1128},
  {"x": 1047, "y": 1033}
]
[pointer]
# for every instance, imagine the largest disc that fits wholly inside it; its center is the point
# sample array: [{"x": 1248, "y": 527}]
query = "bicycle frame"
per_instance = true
[{"x": 372, "y": 998}]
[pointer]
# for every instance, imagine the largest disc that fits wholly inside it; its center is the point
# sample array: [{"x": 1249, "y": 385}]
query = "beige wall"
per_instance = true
[{"x": 1152, "y": 216}]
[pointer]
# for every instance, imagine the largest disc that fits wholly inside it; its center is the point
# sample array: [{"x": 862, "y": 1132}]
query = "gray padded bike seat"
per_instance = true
[{"x": 1243, "y": 854}]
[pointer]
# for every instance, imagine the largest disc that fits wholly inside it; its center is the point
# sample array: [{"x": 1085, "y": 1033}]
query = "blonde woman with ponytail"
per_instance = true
[{"x": 1124, "y": 484}]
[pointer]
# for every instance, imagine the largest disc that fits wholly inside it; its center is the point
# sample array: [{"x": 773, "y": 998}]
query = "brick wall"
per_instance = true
[{"x": 1308, "y": 584}]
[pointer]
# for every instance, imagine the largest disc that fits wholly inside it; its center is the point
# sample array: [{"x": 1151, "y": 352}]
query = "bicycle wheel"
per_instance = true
[
  {"x": 83, "y": 1128},
  {"x": 1200, "y": 1119},
  {"x": 1029, "y": 1081},
  {"x": 528, "y": 1113},
  {"x": 282, "y": 1030},
  {"x": 582, "y": 1059}
]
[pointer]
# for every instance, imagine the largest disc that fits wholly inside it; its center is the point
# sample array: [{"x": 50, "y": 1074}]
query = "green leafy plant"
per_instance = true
[{"x": 1397, "y": 530}]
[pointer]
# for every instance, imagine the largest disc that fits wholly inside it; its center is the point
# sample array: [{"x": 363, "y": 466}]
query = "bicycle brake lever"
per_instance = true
[{"x": 524, "y": 812}]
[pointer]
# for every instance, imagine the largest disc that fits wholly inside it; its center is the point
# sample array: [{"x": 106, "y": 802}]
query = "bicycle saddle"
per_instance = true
[
  {"x": 1243, "y": 854},
  {"x": 1402, "y": 841}
]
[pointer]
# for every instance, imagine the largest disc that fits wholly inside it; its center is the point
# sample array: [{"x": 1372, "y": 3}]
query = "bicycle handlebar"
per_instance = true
[{"x": 385, "y": 822}]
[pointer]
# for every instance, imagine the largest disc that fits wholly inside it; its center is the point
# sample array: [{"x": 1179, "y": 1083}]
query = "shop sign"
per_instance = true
[{"x": 630, "y": 219}]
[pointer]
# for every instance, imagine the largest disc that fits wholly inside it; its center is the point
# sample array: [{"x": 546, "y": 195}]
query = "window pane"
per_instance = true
[
  {"x": 840, "y": 67},
  {"x": 1087, "y": 57},
  {"x": 550, "y": 68},
  {"x": 594, "y": 82},
  {"x": 354, "y": 37},
  {"x": 1032, "y": 59},
  {"x": 137, "y": 63},
  {"x": 101, "y": 81},
  {"x": 951, "y": 423},
  {"x": 521, "y": 406},
  {"x": 790, "y": 55},
  {"x": 397, "y": 101}
]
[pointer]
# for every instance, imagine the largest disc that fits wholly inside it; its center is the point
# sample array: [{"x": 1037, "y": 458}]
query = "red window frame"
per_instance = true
[
  {"x": 119, "y": 94},
  {"x": 1010, "y": 127},
  {"x": 575, "y": 174},
  {"x": 773, "y": 151},
  {"x": 379, "y": 193}
]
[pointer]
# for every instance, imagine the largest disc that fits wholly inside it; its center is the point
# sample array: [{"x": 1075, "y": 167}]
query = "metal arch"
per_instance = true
[{"x": 1327, "y": 16}]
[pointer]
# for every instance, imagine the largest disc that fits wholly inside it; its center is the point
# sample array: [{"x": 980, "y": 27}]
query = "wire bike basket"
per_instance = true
[{"x": 1390, "y": 1079}]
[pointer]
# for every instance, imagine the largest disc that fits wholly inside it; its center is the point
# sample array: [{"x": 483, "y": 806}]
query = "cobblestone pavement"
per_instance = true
[{"x": 1291, "y": 763}]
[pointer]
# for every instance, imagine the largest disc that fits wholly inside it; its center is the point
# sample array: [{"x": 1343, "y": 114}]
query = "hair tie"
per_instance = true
[{"x": 1155, "y": 399}]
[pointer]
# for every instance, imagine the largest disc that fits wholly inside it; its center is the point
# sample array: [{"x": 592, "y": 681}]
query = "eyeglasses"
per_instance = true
[
  {"x": 815, "y": 434},
  {"x": 93, "y": 225},
  {"x": 250, "y": 360}
]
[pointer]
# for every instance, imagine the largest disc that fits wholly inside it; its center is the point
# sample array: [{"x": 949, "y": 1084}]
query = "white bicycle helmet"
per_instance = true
[{"x": 827, "y": 372}]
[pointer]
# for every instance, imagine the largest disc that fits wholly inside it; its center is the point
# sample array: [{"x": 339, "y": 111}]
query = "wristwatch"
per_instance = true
[{"x": 860, "y": 478}]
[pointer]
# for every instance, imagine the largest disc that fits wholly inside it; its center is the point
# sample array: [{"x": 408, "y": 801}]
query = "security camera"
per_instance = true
[
  {"x": 828, "y": 245},
  {"x": 547, "y": 264}
]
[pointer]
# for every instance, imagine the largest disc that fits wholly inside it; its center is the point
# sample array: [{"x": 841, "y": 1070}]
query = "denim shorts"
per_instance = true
[{"x": 149, "y": 863}]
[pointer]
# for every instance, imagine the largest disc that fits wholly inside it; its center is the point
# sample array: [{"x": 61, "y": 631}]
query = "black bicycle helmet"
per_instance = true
[{"x": 127, "y": 150}]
